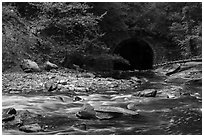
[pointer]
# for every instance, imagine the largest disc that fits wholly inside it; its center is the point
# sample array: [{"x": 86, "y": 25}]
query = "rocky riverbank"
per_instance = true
[{"x": 64, "y": 81}]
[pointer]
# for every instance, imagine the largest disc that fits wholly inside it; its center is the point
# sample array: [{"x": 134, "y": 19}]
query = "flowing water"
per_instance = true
[{"x": 157, "y": 115}]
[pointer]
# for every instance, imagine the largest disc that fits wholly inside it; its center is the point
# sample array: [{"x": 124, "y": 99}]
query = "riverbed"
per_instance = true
[{"x": 54, "y": 99}]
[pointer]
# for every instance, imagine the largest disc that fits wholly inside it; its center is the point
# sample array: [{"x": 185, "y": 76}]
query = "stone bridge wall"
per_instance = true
[{"x": 162, "y": 51}]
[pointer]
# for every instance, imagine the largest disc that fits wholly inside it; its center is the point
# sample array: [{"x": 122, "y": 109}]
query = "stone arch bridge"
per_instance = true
[{"x": 140, "y": 48}]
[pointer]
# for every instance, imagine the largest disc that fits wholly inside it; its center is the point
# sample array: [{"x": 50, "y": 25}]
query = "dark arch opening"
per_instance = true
[{"x": 138, "y": 52}]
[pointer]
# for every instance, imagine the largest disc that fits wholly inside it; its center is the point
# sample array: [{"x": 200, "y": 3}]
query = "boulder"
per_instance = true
[
  {"x": 50, "y": 86},
  {"x": 106, "y": 115},
  {"x": 7, "y": 117},
  {"x": 81, "y": 126},
  {"x": 147, "y": 93},
  {"x": 9, "y": 111},
  {"x": 31, "y": 128},
  {"x": 29, "y": 66},
  {"x": 103, "y": 112},
  {"x": 28, "y": 117},
  {"x": 86, "y": 112},
  {"x": 8, "y": 114},
  {"x": 13, "y": 119},
  {"x": 115, "y": 110},
  {"x": 11, "y": 123},
  {"x": 173, "y": 69},
  {"x": 48, "y": 65}
]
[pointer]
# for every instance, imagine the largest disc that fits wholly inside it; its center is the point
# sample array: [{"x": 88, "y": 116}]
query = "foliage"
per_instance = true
[
  {"x": 179, "y": 23},
  {"x": 49, "y": 30},
  {"x": 14, "y": 38},
  {"x": 96, "y": 62},
  {"x": 68, "y": 24},
  {"x": 186, "y": 30}
]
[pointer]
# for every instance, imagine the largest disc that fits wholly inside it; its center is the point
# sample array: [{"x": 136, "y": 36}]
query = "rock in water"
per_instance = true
[
  {"x": 7, "y": 117},
  {"x": 20, "y": 118},
  {"x": 31, "y": 128},
  {"x": 175, "y": 68},
  {"x": 8, "y": 114},
  {"x": 86, "y": 112},
  {"x": 9, "y": 111},
  {"x": 48, "y": 65},
  {"x": 116, "y": 110},
  {"x": 107, "y": 115},
  {"x": 29, "y": 66},
  {"x": 28, "y": 117},
  {"x": 147, "y": 93},
  {"x": 81, "y": 126},
  {"x": 194, "y": 82},
  {"x": 103, "y": 112},
  {"x": 77, "y": 98},
  {"x": 11, "y": 123}
]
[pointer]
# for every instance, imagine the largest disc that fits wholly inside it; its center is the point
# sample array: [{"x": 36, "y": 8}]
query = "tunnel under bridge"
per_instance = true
[{"x": 138, "y": 52}]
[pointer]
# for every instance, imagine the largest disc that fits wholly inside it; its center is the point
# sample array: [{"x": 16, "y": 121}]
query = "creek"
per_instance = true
[{"x": 160, "y": 115}]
